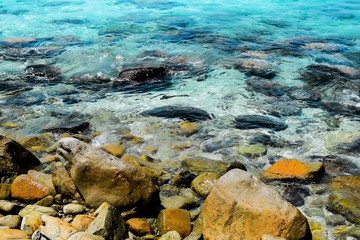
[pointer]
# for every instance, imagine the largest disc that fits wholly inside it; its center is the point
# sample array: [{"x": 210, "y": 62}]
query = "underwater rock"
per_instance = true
[
  {"x": 69, "y": 127},
  {"x": 22, "y": 54},
  {"x": 15, "y": 159},
  {"x": 256, "y": 67},
  {"x": 266, "y": 86},
  {"x": 343, "y": 142},
  {"x": 296, "y": 194},
  {"x": 101, "y": 177},
  {"x": 253, "y": 150},
  {"x": 42, "y": 73},
  {"x": 187, "y": 113},
  {"x": 242, "y": 205},
  {"x": 259, "y": 121},
  {"x": 143, "y": 74},
  {"x": 262, "y": 138}
]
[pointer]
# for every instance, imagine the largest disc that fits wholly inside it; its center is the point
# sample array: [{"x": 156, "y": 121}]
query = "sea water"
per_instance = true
[{"x": 88, "y": 39}]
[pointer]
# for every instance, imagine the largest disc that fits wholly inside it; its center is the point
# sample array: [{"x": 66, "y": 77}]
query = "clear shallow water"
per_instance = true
[{"x": 89, "y": 42}]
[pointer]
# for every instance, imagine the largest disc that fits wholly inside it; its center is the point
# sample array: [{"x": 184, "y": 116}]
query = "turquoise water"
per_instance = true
[{"x": 209, "y": 46}]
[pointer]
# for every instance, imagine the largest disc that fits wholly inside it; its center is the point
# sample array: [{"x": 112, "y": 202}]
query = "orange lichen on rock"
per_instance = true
[{"x": 293, "y": 168}]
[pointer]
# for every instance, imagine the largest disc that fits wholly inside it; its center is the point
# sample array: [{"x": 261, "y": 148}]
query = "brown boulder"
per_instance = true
[
  {"x": 240, "y": 206},
  {"x": 14, "y": 158},
  {"x": 174, "y": 219},
  {"x": 101, "y": 177}
]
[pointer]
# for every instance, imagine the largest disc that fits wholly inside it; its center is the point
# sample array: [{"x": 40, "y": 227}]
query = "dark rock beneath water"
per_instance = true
[
  {"x": 143, "y": 74},
  {"x": 256, "y": 67},
  {"x": 263, "y": 139},
  {"x": 71, "y": 127},
  {"x": 266, "y": 86},
  {"x": 259, "y": 121},
  {"x": 14, "y": 158},
  {"x": 34, "y": 72},
  {"x": 182, "y": 112},
  {"x": 296, "y": 194}
]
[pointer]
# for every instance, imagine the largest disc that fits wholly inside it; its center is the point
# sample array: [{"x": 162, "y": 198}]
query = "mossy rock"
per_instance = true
[
  {"x": 204, "y": 183},
  {"x": 5, "y": 191},
  {"x": 253, "y": 150}
]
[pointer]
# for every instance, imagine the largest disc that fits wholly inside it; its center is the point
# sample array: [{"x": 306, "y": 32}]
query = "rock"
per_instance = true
[
  {"x": 13, "y": 234},
  {"x": 46, "y": 201},
  {"x": 82, "y": 222},
  {"x": 266, "y": 86},
  {"x": 204, "y": 183},
  {"x": 345, "y": 197},
  {"x": 343, "y": 142},
  {"x": 15, "y": 159},
  {"x": 74, "y": 127},
  {"x": 27, "y": 187},
  {"x": 30, "y": 224},
  {"x": 85, "y": 236},
  {"x": 318, "y": 231},
  {"x": 187, "y": 113},
  {"x": 6, "y": 206},
  {"x": 55, "y": 228},
  {"x": 63, "y": 182},
  {"x": 37, "y": 211},
  {"x": 115, "y": 150},
  {"x": 108, "y": 223},
  {"x": 269, "y": 237},
  {"x": 294, "y": 169},
  {"x": 256, "y": 67},
  {"x": 189, "y": 128},
  {"x": 5, "y": 190},
  {"x": 199, "y": 165},
  {"x": 253, "y": 150},
  {"x": 42, "y": 71},
  {"x": 11, "y": 221},
  {"x": 174, "y": 219},
  {"x": 143, "y": 74},
  {"x": 101, "y": 177},
  {"x": 259, "y": 121},
  {"x": 177, "y": 202},
  {"x": 172, "y": 235},
  {"x": 240, "y": 205},
  {"x": 139, "y": 226},
  {"x": 296, "y": 194},
  {"x": 71, "y": 209}
]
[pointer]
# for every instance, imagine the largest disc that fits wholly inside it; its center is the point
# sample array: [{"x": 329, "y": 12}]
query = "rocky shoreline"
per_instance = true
[{"x": 59, "y": 185}]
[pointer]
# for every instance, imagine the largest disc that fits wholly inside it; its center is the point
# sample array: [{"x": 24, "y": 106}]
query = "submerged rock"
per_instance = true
[
  {"x": 241, "y": 206},
  {"x": 259, "y": 121},
  {"x": 101, "y": 177},
  {"x": 343, "y": 142},
  {"x": 143, "y": 74},
  {"x": 266, "y": 86},
  {"x": 15, "y": 159},
  {"x": 41, "y": 72},
  {"x": 256, "y": 67},
  {"x": 187, "y": 113},
  {"x": 69, "y": 127}
]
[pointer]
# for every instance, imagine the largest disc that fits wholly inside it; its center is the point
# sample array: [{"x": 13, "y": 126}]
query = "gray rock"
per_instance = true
[
  {"x": 37, "y": 211},
  {"x": 259, "y": 121},
  {"x": 182, "y": 112},
  {"x": 101, "y": 177},
  {"x": 73, "y": 209}
]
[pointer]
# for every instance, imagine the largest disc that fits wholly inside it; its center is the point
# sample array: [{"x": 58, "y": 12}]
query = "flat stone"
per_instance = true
[
  {"x": 11, "y": 221},
  {"x": 30, "y": 223},
  {"x": 242, "y": 205},
  {"x": 259, "y": 121},
  {"x": 13, "y": 234},
  {"x": 177, "y": 202},
  {"x": 139, "y": 226},
  {"x": 174, "y": 220},
  {"x": 85, "y": 236},
  {"x": 55, "y": 228},
  {"x": 6, "y": 206},
  {"x": 71, "y": 209},
  {"x": 82, "y": 222},
  {"x": 204, "y": 183},
  {"x": 143, "y": 74},
  {"x": 294, "y": 169},
  {"x": 37, "y": 211},
  {"x": 191, "y": 114},
  {"x": 172, "y": 235},
  {"x": 108, "y": 223},
  {"x": 116, "y": 150}
]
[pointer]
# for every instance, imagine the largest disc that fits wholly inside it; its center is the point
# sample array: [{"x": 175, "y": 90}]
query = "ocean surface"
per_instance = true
[{"x": 294, "y": 60}]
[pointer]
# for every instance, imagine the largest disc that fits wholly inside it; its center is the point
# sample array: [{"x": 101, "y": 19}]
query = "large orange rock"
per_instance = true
[
  {"x": 293, "y": 168},
  {"x": 27, "y": 187},
  {"x": 240, "y": 206}
]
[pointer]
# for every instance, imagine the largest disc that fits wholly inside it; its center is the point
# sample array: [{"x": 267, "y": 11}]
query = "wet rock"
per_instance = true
[
  {"x": 278, "y": 108},
  {"x": 204, "y": 183},
  {"x": 178, "y": 202},
  {"x": 296, "y": 194},
  {"x": 72, "y": 209},
  {"x": 41, "y": 72},
  {"x": 187, "y": 113},
  {"x": 13, "y": 234},
  {"x": 116, "y": 150},
  {"x": 318, "y": 231},
  {"x": 82, "y": 222},
  {"x": 143, "y": 74},
  {"x": 85, "y": 236},
  {"x": 266, "y": 86},
  {"x": 30, "y": 224},
  {"x": 36, "y": 210},
  {"x": 19, "y": 54},
  {"x": 343, "y": 142},
  {"x": 26, "y": 187},
  {"x": 55, "y": 228},
  {"x": 199, "y": 165},
  {"x": 256, "y": 67},
  {"x": 241, "y": 205},
  {"x": 262, "y": 138},
  {"x": 345, "y": 197},
  {"x": 174, "y": 219},
  {"x": 139, "y": 226},
  {"x": 15, "y": 159},
  {"x": 75, "y": 127},
  {"x": 294, "y": 169},
  {"x": 107, "y": 223},
  {"x": 189, "y": 128},
  {"x": 253, "y": 150},
  {"x": 259, "y": 121},
  {"x": 11, "y": 221},
  {"x": 101, "y": 177},
  {"x": 172, "y": 235},
  {"x": 183, "y": 178}
]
